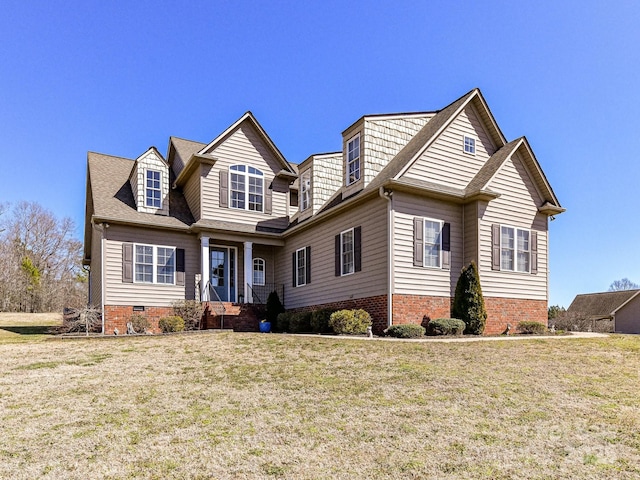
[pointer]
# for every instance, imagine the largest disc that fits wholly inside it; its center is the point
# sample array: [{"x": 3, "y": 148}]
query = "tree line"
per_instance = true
[{"x": 40, "y": 260}]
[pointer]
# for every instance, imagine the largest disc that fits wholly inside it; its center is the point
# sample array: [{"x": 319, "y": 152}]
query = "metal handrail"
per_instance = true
[
  {"x": 210, "y": 288},
  {"x": 255, "y": 296},
  {"x": 265, "y": 290}
]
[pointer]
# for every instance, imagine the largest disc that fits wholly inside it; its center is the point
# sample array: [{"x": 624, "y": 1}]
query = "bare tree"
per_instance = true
[
  {"x": 40, "y": 261},
  {"x": 624, "y": 284}
]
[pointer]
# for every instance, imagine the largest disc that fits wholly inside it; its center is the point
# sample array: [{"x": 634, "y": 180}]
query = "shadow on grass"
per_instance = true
[{"x": 29, "y": 330}]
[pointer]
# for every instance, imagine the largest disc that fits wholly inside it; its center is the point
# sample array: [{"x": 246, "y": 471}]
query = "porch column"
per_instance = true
[
  {"x": 248, "y": 271},
  {"x": 206, "y": 271}
]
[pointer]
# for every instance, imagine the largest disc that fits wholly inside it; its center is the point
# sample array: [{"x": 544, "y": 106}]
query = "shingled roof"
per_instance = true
[{"x": 600, "y": 305}]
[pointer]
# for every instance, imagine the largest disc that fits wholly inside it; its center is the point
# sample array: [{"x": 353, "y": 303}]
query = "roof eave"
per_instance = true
[
  {"x": 194, "y": 162},
  {"x": 137, "y": 223}
]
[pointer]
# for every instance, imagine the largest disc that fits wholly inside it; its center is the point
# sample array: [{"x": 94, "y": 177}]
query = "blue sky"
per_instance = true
[{"x": 117, "y": 78}]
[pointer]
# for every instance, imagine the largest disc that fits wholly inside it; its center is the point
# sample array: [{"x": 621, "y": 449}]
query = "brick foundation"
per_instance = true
[
  {"x": 117, "y": 316},
  {"x": 419, "y": 309},
  {"x": 375, "y": 306},
  {"x": 501, "y": 311}
]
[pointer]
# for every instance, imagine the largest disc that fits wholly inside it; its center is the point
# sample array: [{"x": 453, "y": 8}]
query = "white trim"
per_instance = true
[
  {"x": 235, "y": 270},
  {"x": 246, "y": 174},
  {"x": 515, "y": 249},
  {"x": 303, "y": 250},
  {"x": 358, "y": 158},
  {"x": 264, "y": 271},
  {"x": 464, "y": 144},
  {"x": 303, "y": 207},
  {"x": 353, "y": 252},
  {"x": 424, "y": 242},
  {"x": 144, "y": 186},
  {"x": 154, "y": 259}
]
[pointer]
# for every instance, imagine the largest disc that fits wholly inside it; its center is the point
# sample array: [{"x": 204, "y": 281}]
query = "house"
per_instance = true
[
  {"x": 386, "y": 223},
  {"x": 622, "y": 307}
]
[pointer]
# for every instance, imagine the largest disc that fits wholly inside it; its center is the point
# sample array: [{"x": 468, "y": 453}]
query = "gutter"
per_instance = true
[{"x": 388, "y": 196}]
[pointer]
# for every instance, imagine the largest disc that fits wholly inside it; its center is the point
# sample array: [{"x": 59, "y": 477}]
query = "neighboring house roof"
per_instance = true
[
  {"x": 601, "y": 305},
  {"x": 113, "y": 199}
]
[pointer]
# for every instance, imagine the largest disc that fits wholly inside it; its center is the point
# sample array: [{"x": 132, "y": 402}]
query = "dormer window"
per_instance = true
[
  {"x": 247, "y": 188},
  {"x": 305, "y": 190},
  {"x": 353, "y": 160},
  {"x": 153, "y": 191},
  {"x": 469, "y": 145}
]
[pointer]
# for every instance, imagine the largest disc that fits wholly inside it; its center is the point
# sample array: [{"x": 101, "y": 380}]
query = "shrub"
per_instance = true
[
  {"x": 468, "y": 302},
  {"x": 535, "y": 328},
  {"x": 300, "y": 322},
  {"x": 350, "y": 321},
  {"x": 139, "y": 322},
  {"x": 405, "y": 331},
  {"x": 282, "y": 323},
  {"x": 446, "y": 326},
  {"x": 190, "y": 311},
  {"x": 171, "y": 324},
  {"x": 579, "y": 322},
  {"x": 274, "y": 308},
  {"x": 320, "y": 320}
]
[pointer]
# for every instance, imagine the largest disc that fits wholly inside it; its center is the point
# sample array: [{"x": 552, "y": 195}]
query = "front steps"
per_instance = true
[{"x": 241, "y": 317}]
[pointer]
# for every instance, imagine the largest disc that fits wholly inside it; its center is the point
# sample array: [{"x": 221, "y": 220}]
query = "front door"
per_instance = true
[{"x": 223, "y": 274}]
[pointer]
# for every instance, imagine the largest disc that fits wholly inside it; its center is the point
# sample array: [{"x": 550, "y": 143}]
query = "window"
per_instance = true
[
  {"x": 515, "y": 249},
  {"x": 432, "y": 243},
  {"x": 258, "y": 271},
  {"x": 247, "y": 185},
  {"x": 153, "y": 192},
  {"x": 353, "y": 160},
  {"x": 155, "y": 264},
  {"x": 301, "y": 267},
  {"x": 346, "y": 252},
  {"x": 469, "y": 145},
  {"x": 305, "y": 190}
]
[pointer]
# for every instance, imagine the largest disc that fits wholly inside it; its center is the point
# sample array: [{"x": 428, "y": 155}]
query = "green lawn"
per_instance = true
[{"x": 280, "y": 406}]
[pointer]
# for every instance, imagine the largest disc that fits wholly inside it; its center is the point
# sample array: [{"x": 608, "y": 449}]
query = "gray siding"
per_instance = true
[
  {"x": 409, "y": 279},
  {"x": 385, "y": 137},
  {"x": 445, "y": 162},
  {"x": 517, "y": 207},
  {"x": 192, "y": 193},
  {"x": 472, "y": 214},
  {"x": 119, "y": 293},
  {"x": 325, "y": 179},
  {"x": 243, "y": 146},
  {"x": 628, "y": 317},
  {"x": 96, "y": 268},
  {"x": 325, "y": 287}
]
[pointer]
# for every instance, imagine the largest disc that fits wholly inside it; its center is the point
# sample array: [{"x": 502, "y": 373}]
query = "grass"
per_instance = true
[
  {"x": 26, "y": 327},
  {"x": 281, "y": 406}
]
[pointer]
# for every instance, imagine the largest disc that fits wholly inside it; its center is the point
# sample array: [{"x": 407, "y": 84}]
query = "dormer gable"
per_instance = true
[{"x": 150, "y": 183}]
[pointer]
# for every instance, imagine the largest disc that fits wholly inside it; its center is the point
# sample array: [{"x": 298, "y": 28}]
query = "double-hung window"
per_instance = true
[
  {"x": 258, "y": 271},
  {"x": 305, "y": 190},
  {"x": 432, "y": 243},
  {"x": 515, "y": 249},
  {"x": 353, "y": 160},
  {"x": 347, "y": 258},
  {"x": 153, "y": 191},
  {"x": 247, "y": 188},
  {"x": 301, "y": 267},
  {"x": 153, "y": 264},
  {"x": 469, "y": 145}
]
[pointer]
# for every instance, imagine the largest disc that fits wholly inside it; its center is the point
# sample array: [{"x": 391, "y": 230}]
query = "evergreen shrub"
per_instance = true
[
  {"x": 468, "y": 302},
  {"x": 274, "y": 308},
  {"x": 350, "y": 321},
  {"x": 282, "y": 322},
  {"x": 445, "y": 326},
  {"x": 320, "y": 320},
  {"x": 532, "y": 328},
  {"x": 171, "y": 324},
  {"x": 139, "y": 322},
  {"x": 405, "y": 331},
  {"x": 300, "y": 322}
]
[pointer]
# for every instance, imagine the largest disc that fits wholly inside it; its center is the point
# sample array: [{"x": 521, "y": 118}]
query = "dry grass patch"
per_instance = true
[
  {"x": 277, "y": 406},
  {"x": 26, "y": 327}
]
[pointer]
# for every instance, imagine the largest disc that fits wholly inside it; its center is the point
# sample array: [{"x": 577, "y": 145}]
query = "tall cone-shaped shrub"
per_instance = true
[{"x": 468, "y": 303}]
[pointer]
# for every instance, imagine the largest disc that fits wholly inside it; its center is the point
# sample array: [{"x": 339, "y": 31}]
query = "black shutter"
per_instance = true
[
  {"x": 224, "y": 188},
  {"x": 127, "y": 263},
  {"x": 534, "y": 253},
  {"x": 357, "y": 248},
  {"x": 307, "y": 255},
  {"x": 268, "y": 198},
  {"x": 495, "y": 247},
  {"x": 446, "y": 246},
  {"x": 180, "y": 267},
  {"x": 338, "y": 268},
  {"x": 418, "y": 242},
  {"x": 294, "y": 268}
]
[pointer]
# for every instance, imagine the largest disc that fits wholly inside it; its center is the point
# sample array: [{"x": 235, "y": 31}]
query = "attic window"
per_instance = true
[
  {"x": 247, "y": 187},
  {"x": 305, "y": 189},
  {"x": 469, "y": 145},
  {"x": 153, "y": 192},
  {"x": 353, "y": 160}
]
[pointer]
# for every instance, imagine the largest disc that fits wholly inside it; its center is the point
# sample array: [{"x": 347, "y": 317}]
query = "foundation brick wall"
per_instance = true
[
  {"x": 501, "y": 311},
  {"x": 117, "y": 316},
  {"x": 419, "y": 309},
  {"x": 375, "y": 306}
]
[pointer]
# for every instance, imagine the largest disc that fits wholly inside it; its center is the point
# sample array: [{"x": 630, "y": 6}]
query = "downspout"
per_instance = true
[
  {"x": 388, "y": 196},
  {"x": 102, "y": 270}
]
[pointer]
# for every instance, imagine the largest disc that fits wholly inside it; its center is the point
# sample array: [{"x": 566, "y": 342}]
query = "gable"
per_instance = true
[
  {"x": 445, "y": 162},
  {"x": 151, "y": 162}
]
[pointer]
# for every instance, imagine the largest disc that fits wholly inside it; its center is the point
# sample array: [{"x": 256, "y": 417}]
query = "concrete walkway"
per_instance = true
[{"x": 463, "y": 338}]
